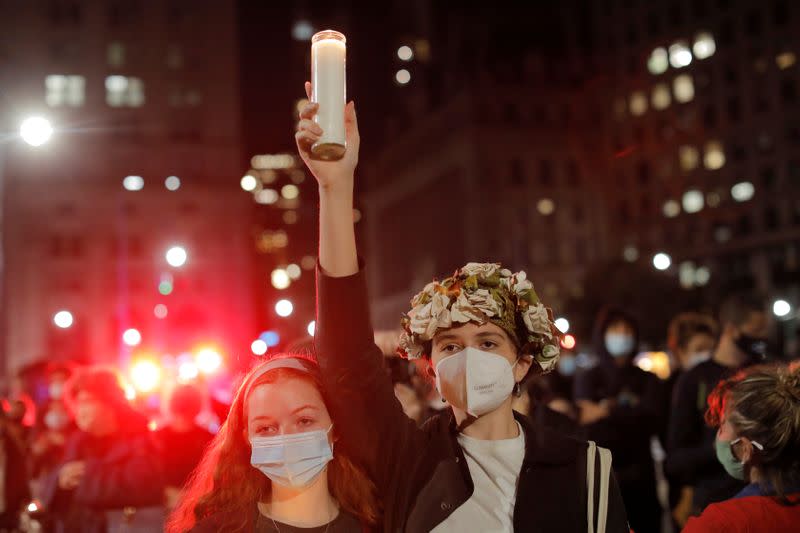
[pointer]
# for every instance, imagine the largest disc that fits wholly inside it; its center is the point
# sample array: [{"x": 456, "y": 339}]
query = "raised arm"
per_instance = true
[
  {"x": 337, "y": 238},
  {"x": 369, "y": 420}
]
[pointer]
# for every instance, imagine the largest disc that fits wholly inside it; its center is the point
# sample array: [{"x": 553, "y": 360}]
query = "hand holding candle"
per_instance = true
[{"x": 329, "y": 174}]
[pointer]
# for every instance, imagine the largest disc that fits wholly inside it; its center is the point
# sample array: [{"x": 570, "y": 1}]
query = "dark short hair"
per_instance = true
[
  {"x": 103, "y": 383},
  {"x": 736, "y": 309},
  {"x": 686, "y": 325}
]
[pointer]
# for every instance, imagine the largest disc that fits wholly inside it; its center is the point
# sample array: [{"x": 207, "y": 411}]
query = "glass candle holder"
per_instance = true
[{"x": 328, "y": 53}]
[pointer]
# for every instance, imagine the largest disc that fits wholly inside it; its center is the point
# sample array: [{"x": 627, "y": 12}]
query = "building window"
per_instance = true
[
  {"x": 124, "y": 91},
  {"x": 638, "y": 103},
  {"x": 734, "y": 109},
  {"x": 62, "y": 12},
  {"x": 753, "y": 23},
  {"x": 683, "y": 88},
  {"x": 116, "y": 54},
  {"x": 174, "y": 57},
  {"x": 658, "y": 62},
  {"x": 710, "y": 117},
  {"x": 789, "y": 90},
  {"x": 771, "y": 218},
  {"x": 545, "y": 172},
  {"x": 573, "y": 174},
  {"x": 517, "y": 173},
  {"x": 689, "y": 157},
  {"x": 65, "y": 90},
  {"x": 715, "y": 155},
  {"x": 661, "y": 96}
]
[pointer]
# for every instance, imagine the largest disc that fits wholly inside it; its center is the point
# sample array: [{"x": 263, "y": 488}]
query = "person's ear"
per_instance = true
[
  {"x": 746, "y": 450},
  {"x": 523, "y": 367}
]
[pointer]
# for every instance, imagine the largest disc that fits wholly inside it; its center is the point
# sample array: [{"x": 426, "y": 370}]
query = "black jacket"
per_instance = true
[
  {"x": 691, "y": 457},
  {"x": 421, "y": 473}
]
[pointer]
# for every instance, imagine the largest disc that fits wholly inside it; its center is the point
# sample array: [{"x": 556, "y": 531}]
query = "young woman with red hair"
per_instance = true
[{"x": 272, "y": 466}]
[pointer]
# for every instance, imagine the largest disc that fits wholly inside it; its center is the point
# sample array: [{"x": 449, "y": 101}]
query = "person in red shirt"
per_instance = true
[{"x": 757, "y": 413}]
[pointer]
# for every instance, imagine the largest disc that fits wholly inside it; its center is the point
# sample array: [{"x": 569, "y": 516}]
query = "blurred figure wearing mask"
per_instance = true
[
  {"x": 182, "y": 442},
  {"x": 621, "y": 409},
  {"x": 757, "y": 413},
  {"x": 50, "y": 440},
  {"x": 691, "y": 338},
  {"x": 111, "y": 478},
  {"x": 691, "y": 457}
]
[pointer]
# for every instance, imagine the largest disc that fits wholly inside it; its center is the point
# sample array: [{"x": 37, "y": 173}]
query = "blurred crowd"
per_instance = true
[{"x": 85, "y": 459}]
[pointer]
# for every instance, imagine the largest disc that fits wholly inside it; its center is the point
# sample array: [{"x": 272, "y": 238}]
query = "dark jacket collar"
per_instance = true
[{"x": 542, "y": 445}]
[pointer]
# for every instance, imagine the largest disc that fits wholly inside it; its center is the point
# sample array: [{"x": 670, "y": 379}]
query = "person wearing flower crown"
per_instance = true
[{"x": 478, "y": 466}]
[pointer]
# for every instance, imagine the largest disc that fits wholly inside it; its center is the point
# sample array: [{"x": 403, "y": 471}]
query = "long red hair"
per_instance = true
[{"x": 227, "y": 487}]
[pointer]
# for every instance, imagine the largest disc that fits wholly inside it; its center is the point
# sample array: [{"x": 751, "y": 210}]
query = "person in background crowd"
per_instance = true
[
  {"x": 21, "y": 414},
  {"x": 272, "y": 467},
  {"x": 757, "y": 416},
  {"x": 476, "y": 466},
  {"x": 691, "y": 338},
  {"x": 110, "y": 465},
  {"x": 547, "y": 401},
  {"x": 690, "y": 443},
  {"x": 14, "y": 482},
  {"x": 57, "y": 378},
  {"x": 621, "y": 409},
  {"x": 182, "y": 442},
  {"x": 50, "y": 440}
]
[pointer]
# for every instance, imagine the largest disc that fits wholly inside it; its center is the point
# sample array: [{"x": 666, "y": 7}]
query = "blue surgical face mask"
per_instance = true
[
  {"x": 619, "y": 344},
  {"x": 567, "y": 366},
  {"x": 293, "y": 460}
]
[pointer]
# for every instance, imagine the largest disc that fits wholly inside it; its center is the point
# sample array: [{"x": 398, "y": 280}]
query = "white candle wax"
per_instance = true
[{"x": 328, "y": 81}]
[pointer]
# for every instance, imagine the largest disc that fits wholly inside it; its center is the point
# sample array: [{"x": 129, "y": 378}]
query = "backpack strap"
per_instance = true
[
  {"x": 593, "y": 453},
  {"x": 605, "y": 476},
  {"x": 590, "y": 458}
]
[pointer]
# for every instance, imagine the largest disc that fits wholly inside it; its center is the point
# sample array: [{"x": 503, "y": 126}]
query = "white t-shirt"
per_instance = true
[{"x": 494, "y": 466}]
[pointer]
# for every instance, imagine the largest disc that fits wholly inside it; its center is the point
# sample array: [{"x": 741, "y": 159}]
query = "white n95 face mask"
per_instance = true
[
  {"x": 475, "y": 381},
  {"x": 293, "y": 460}
]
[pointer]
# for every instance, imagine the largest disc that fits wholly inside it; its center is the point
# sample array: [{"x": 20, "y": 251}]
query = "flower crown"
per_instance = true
[{"x": 480, "y": 293}]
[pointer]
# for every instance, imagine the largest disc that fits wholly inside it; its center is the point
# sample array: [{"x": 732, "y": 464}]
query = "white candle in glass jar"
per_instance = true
[{"x": 328, "y": 51}]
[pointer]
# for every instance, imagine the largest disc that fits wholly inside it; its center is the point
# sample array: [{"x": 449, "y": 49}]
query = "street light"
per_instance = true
[
  {"x": 176, "y": 256},
  {"x": 781, "y": 308},
  {"x": 284, "y": 308},
  {"x": 662, "y": 261},
  {"x": 132, "y": 337},
  {"x": 36, "y": 130},
  {"x": 562, "y": 324},
  {"x": 63, "y": 319}
]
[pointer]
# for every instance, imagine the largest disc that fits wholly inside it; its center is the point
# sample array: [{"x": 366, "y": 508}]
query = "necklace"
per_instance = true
[
  {"x": 279, "y": 529},
  {"x": 275, "y": 524}
]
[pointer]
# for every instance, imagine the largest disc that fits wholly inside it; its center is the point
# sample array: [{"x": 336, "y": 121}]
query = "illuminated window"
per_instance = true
[
  {"x": 704, "y": 46},
  {"x": 689, "y": 157},
  {"x": 64, "y": 90},
  {"x": 638, "y": 103},
  {"x": 661, "y": 96},
  {"x": 402, "y": 76},
  {"x": 658, "y": 61},
  {"x": 743, "y": 191},
  {"x": 620, "y": 108},
  {"x": 671, "y": 209},
  {"x": 123, "y": 91},
  {"x": 174, "y": 57},
  {"x": 679, "y": 55},
  {"x": 785, "y": 60},
  {"x": 693, "y": 201},
  {"x": 683, "y": 88},
  {"x": 546, "y": 206},
  {"x": 116, "y": 54},
  {"x": 714, "y": 158}
]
